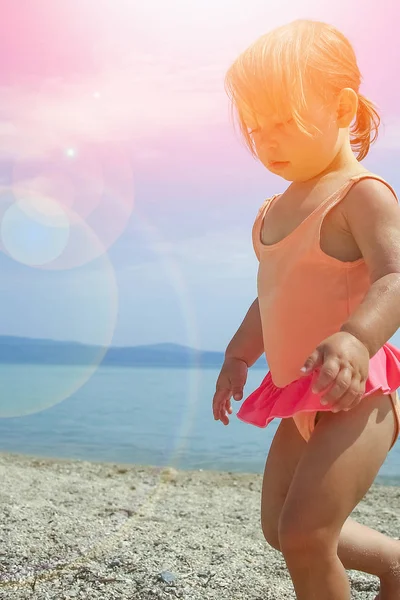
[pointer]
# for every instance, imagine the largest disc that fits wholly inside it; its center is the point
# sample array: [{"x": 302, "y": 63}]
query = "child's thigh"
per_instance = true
[
  {"x": 337, "y": 468},
  {"x": 283, "y": 457}
]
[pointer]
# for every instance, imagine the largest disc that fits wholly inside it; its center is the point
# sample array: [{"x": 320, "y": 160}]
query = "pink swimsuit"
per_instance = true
[{"x": 305, "y": 296}]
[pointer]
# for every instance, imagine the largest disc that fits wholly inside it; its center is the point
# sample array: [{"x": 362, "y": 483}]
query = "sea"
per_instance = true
[{"x": 146, "y": 416}]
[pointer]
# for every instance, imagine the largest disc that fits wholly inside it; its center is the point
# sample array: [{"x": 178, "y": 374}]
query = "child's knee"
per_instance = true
[{"x": 300, "y": 541}]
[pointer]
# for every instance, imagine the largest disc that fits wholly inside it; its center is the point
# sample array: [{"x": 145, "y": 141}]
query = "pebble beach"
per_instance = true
[{"x": 87, "y": 530}]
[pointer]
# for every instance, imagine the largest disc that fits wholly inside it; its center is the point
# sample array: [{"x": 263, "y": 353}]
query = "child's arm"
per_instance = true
[
  {"x": 247, "y": 343},
  {"x": 373, "y": 217},
  {"x": 243, "y": 350}
]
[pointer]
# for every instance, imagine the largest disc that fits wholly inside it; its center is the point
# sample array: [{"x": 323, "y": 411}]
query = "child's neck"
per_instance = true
[{"x": 340, "y": 169}]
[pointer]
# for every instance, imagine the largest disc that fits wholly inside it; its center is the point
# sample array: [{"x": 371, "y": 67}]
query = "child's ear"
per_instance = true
[{"x": 347, "y": 107}]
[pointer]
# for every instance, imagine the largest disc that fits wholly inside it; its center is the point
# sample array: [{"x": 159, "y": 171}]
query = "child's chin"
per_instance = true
[{"x": 283, "y": 173}]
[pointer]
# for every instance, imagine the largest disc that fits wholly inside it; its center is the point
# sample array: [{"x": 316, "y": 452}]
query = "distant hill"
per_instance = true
[{"x": 20, "y": 350}]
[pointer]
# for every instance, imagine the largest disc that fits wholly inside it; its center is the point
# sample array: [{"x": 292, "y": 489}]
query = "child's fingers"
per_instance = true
[
  {"x": 313, "y": 362},
  {"x": 226, "y": 410},
  {"x": 327, "y": 375},
  {"x": 353, "y": 396},
  {"x": 237, "y": 391},
  {"x": 222, "y": 405},
  {"x": 352, "y": 391},
  {"x": 219, "y": 399},
  {"x": 228, "y": 406},
  {"x": 339, "y": 388},
  {"x": 223, "y": 417},
  {"x": 225, "y": 389}
]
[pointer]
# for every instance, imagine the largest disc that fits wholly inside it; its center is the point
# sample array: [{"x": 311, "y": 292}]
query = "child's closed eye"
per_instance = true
[
  {"x": 281, "y": 124},
  {"x": 286, "y": 122}
]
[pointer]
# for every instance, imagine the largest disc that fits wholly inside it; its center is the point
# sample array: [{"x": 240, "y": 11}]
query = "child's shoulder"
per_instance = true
[
  {"x": 369, "y": 192},
  {"x": 372, "y": 215}
]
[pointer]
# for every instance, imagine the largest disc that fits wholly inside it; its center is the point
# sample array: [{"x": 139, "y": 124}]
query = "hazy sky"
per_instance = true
[{"x": 127, "y": 200}]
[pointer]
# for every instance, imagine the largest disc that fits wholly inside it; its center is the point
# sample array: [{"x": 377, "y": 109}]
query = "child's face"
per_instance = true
[{"x": 299, "y": 157}]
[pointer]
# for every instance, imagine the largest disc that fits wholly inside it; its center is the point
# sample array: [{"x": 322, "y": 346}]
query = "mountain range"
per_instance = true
[{"x": 21, "y": 350}]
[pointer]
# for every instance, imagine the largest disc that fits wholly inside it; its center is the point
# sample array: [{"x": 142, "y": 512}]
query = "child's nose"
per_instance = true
[{"x": 270, "y": 143}]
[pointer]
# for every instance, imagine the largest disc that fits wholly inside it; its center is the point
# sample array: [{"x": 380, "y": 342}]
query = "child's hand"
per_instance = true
[
  {"x": 343, "y": 363},
  {"x": 230, "y": 382}
]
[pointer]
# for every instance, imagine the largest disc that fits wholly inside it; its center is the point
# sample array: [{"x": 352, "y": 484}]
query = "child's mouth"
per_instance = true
[{"x": 278, "y": 164}]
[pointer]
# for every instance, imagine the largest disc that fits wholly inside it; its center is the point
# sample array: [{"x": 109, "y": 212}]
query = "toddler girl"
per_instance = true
[{"x": 328, "y": 302}]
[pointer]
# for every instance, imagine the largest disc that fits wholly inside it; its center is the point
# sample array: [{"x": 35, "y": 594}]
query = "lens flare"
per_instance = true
[
  {"x": 91, "y": 184},
  {"x": 34, "y": 230}
]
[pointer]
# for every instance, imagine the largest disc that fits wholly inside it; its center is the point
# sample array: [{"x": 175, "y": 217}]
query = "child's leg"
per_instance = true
[
  {"x": 360, "y": 548},
  {"x": 363, "y": 549},
  {"x": 336, "y": 469},
  {"x": 283, "y": 457}
]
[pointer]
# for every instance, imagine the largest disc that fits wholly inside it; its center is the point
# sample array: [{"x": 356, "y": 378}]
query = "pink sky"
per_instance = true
[{"x": 77, "y": 71}]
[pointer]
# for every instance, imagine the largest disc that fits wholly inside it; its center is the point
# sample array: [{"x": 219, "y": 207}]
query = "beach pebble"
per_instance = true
[
  {"x": 115, "y": 563},
  {"x": 167, "y": 577}
]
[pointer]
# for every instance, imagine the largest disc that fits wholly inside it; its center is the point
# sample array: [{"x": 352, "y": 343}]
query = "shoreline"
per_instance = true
[
  {"x": 383, "y": 480},
  {"x": 80, "y": 529}
]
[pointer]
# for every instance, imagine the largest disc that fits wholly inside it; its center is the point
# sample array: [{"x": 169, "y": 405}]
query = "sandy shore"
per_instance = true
[{"x": 74, "y": 529}]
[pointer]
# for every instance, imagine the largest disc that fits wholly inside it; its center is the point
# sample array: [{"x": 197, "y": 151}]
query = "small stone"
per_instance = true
[
  {"x": 167, "y": 577},
  {"x": 115, "y": 563},
  {"x": 169, "y": 475}
]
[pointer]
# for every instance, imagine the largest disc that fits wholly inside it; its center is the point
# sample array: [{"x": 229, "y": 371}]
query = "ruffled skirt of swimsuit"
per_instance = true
[{"x": 268, "y": 401}]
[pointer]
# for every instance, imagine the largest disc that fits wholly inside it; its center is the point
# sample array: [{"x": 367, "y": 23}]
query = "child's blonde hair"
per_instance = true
[{"x": 273, "y": 72}]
